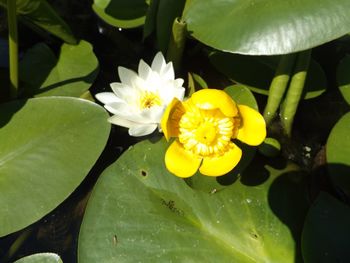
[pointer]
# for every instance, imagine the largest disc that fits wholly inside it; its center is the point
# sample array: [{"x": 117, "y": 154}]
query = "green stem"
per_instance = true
[
  {"x": 295, "y": 91},
  {"x": 278, "y": 86},
  {"x": 13, "y": 46},
  {"x": 177, "y": 42}
]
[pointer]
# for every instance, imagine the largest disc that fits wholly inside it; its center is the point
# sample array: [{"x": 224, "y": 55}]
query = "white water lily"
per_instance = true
[{"x": 139, "y": 100}]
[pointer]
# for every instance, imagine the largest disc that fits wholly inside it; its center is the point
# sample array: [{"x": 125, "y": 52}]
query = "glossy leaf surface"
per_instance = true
[
  {"x": 40, "y": 258},
  {"x": 47, "y": 147},
  {"x": 121, "y": 13},
  {"x": 138, "y": 211},
  {"x": 71, "y": 74},
  {"x": 266, "y": 27}
]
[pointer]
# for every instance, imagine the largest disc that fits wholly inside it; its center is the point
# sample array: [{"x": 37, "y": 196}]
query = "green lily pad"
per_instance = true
[
  {"x": 326, "y": 234},
  {"x": 138, "y": 211},
  {"x": 343, "y": 77},
  {"x": 120, "y": 13},
  {"x": 338, "y": 154},
  {"x": 47, "y": 147},
  {"x": 71, "y": 74},
  {"x": 271, "y": 147},
  {"x": 257, "y": 72},
  {"x": 39, "y": 13},
  {"x": 266, "y": 27},
  {"x": 40, "y": 258},
  {"x": 242, "y": 95}
]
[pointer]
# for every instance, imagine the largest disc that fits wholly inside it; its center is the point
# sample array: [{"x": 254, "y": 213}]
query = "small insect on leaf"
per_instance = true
[{"x": 115, "y": 240}]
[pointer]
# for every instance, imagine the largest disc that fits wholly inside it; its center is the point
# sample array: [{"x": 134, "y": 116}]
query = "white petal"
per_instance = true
[
  {"x": 127, "y": 76},
  {"x": 117, "y": 85},
  {"x": 135, "y": 129},
  {"x": 158, "y": 62},
  {"x": 178, "y": 82},
  {"x": 121, "y": 122},
  {"x": 107, "y": 97},
  {"x": 144, "y": 70},
  {"x": 168, "y": 92},
  {"x": 146, "y": 116},
  {"x": 179, "y": 93},
  {"x": 137, "y": 117},
  {"x": 152, "y": 115},
  {"x": 154, "y": 82},
  {"x": 118, "y": 108},
  {"x": 124, "y": 92},
  {"x": 142, "y": 130},
  {"x": 141, "y": 84},
  {"x": 167, "y": 72}
]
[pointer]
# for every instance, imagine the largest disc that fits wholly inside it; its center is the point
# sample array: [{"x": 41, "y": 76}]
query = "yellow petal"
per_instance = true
[
  {"x": 253, "y": 126},
  {"x": 181, "y": 162},
  {"x": 171, "y": 118},
  {"x": 209, "y": 99},
  {"x": 216, "y": 166}
]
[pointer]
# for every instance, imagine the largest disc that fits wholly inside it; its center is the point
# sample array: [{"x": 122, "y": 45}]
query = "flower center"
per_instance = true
[
  {"x": 149, "y": 99},
  {"x": 206, "y": 132}
]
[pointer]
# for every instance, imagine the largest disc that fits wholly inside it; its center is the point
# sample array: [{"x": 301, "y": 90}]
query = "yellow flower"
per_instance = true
[{"x": 204, "y": 127}]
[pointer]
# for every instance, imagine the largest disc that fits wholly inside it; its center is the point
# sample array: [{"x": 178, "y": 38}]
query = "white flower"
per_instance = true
[{"x": 139, "y": 100}]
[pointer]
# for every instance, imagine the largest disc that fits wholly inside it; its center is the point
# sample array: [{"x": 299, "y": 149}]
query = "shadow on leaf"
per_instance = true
[{"x": 287, "y": 198}]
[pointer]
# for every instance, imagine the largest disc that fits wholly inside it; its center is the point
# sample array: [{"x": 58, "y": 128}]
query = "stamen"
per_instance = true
[
  {"x": 206, "y": 132},
  {"x": 149, "y": 99}
]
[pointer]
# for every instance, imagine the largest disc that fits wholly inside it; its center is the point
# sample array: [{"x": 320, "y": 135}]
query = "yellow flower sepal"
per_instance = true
[
  {"x": 171, "y": 118},
  {"x": 215, "y": 166},
  {"x": 253, "y": 126},
  {"x": 209, "y": 99},
  {"x": 181, "y": 162}
]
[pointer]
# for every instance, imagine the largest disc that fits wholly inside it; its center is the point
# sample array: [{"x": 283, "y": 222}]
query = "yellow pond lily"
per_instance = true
[{"x": 204, "y": 127}]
